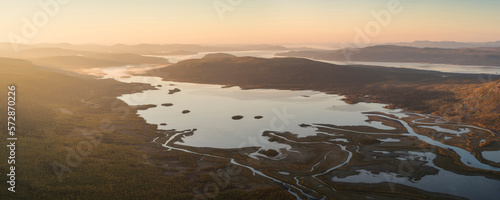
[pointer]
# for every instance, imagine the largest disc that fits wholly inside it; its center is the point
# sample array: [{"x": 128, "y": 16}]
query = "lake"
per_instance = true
[{"x": 212, "y": 108}]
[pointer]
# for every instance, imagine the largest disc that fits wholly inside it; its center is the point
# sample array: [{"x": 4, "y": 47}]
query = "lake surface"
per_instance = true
[
  {"x": 462, "y": 69},
  {"x": 492, "y": 155},
  {"x": 212, "y": 108}
]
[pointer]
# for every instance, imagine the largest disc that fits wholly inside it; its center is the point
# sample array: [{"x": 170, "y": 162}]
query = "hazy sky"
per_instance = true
[{"x": 250, "y": 21}]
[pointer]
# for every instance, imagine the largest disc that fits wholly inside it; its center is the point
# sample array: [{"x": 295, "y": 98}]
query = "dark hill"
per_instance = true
[
  {"x": 218, "y": 55},
  {"x": 295, "y": 72}
]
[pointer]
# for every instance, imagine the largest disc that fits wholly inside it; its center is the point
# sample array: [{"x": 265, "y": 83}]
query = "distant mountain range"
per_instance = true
[
  {"x": 144, "y": 49},
  {"x": 487, "y": 56},
  {"x": 97, "y": 60},
  {"x": 447, "y": 44}
]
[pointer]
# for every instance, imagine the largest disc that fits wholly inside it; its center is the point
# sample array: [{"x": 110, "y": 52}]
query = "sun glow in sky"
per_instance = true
[{"x": 248, "y": 21}]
